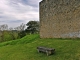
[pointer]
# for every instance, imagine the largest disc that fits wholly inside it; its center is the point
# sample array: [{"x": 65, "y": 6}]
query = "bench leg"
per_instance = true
[
  {"x": 47, "y": 53},
  {"x": 39, "y": 51}
]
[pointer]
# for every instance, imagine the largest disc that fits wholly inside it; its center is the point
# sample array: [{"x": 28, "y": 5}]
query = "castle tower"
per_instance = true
[{"x": 60, "y": 19}]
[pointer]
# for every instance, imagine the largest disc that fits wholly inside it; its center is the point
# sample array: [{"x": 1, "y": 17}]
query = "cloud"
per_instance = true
[{"x": 18, "y": 11}]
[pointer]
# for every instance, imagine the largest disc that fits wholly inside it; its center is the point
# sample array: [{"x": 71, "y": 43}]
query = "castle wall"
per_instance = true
[{"x": 60, "y": 18}]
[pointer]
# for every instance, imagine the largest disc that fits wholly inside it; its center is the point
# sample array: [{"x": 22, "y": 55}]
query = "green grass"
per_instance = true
[{"x": 25, "y": 49}]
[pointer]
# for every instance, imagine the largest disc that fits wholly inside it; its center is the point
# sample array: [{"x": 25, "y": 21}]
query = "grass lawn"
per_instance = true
[{"x": 25, "y": 49}]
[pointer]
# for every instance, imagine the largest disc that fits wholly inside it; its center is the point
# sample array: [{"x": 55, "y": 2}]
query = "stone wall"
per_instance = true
[{"x": 60, "y": 19}]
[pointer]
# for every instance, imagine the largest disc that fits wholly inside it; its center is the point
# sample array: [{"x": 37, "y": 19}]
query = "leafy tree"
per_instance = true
[
  {"x": 20, "y": 28},
  {"x": 21, "y": 34},
  {"x": 13, "y": 33},
  {"x": 3, "y": 29},
  {"x": 32, "y": 27}
]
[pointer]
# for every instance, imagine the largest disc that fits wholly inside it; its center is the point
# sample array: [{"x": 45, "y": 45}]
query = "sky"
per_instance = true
[{"x": 15, "y": 12}]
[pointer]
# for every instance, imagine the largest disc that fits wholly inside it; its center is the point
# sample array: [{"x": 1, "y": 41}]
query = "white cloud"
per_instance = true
[{"x": 12, "y": 10}]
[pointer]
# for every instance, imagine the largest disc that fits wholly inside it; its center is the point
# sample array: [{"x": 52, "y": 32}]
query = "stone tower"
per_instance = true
[{"x": 60, "y": 19}]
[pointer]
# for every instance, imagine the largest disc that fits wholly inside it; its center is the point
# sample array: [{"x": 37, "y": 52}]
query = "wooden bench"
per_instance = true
[{"x": 48, "y": 51}]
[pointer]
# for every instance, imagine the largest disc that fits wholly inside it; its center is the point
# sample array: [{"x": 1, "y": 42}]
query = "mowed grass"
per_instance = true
[{"x": 26, "y": 49}]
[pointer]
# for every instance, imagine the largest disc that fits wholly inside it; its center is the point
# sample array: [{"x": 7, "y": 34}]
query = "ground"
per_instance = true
[{"x": 26, "y": 49}]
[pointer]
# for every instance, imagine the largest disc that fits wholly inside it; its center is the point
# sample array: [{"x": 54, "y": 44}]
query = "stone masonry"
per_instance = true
[{"x": 60, "y": 19}]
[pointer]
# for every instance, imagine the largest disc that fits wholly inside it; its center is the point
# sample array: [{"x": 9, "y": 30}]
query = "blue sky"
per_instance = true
[{"x": 16, "y": 12}]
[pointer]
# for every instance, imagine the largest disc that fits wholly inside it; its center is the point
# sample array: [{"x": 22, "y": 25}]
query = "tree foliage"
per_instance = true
[
  {"x": 32, "y": 27},
  {"x": 21, "y": 34},
  {"x": 11, "y": 33}
]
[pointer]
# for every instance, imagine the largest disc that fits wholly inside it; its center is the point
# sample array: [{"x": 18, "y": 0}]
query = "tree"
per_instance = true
[
  {"x": 11, "y": 33},
  {"x": 20, "y": 28},
  {"x": 3, "y": 29},
  {"x": 32, "y": 27},
  {"x": 21, "y": 34}
]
